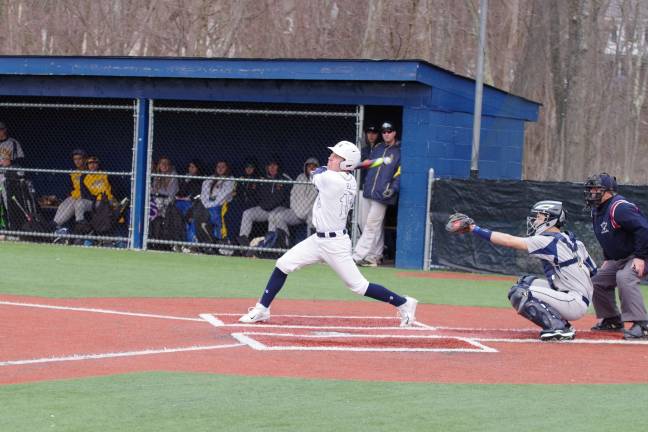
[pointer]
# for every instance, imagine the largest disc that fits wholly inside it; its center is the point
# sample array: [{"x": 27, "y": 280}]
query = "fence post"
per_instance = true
[
  {"x": 140, "y": 158},
  {"x": 427, "y": 252}
]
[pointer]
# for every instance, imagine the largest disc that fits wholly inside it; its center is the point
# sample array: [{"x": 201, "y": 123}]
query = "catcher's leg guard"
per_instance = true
[
  {"x": 536, "y": 311},
  {"x": 519, "y": 292}
]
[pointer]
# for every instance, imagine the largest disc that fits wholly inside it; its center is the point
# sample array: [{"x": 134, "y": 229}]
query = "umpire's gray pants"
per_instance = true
[
  {"x": 72, "y": 207},
  {"x": 618, "y": 273}
]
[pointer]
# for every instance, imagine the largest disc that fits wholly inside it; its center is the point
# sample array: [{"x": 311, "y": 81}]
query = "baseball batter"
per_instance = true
[
  {"x": 331, "y": 244},
  {"x": 567, "y": 291}
]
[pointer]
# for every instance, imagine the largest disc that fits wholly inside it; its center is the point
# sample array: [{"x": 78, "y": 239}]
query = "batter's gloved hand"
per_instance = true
[
  {"x": 319, "y": 170},
  {"x": 388, "y": 193},
  {"x": 459, "y": 223}
]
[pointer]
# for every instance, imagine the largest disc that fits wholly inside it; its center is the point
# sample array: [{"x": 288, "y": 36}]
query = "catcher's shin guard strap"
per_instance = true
[{"x": 482, "y": 232}]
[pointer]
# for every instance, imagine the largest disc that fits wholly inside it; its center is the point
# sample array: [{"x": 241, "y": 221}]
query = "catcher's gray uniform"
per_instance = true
[{"x": 568, "y": 267}]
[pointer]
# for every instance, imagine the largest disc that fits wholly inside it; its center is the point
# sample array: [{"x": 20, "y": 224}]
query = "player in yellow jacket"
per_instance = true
[
  {"x": 74, "y": 205},
  {"x": 94, "y": 186}
]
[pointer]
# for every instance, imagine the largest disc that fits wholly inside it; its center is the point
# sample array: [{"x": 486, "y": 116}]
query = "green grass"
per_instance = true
[
  {"x": 198, "y": 402},
  {"x": 60, "y": 271}
]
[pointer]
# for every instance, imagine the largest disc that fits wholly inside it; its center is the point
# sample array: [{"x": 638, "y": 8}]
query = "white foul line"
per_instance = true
[
  {"x": 102, "y": 311},
  {"x": 573, "y": 341},
  {"x": 211, "y": 319},
  {"x": 76, "y": 357}
]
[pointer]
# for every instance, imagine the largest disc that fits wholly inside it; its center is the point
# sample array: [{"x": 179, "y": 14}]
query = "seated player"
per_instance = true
[{"x": 567, "y": 291}]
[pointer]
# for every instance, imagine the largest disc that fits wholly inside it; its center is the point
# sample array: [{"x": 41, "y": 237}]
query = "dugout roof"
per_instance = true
[{"x": 437, "y": 107}]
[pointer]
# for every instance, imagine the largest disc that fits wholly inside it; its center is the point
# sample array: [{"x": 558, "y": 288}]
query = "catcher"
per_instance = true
[{"x": 567, "y": 291}]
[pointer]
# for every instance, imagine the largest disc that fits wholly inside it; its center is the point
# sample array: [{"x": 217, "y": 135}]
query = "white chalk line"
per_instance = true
[
  {"x": 211, "y": 319},
  {"x": 101, "y": 311},
  {"x": 77, "y": 357},
  {"x": 573, "y": 341},
  {"x": 253, "y": 343},
  {"x": 417, "y": 325},
  {"x": 420, "y": 326}
]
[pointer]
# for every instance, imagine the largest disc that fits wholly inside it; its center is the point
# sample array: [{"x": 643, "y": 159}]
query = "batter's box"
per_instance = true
[
  {"x": 334, "y": 341},
  {"x": 320, "y": 321}
]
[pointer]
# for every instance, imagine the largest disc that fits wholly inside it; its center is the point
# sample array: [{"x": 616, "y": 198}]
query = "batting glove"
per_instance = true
[{"x": 319, "y": 170}]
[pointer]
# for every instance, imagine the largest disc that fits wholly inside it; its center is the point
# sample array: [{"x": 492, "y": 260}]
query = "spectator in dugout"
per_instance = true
[
  {"x": 95, "y": 186},
  {"x": 372, "y": 135},
  {"x": 272, "y": 196},
  {"x": 189, "y": 191},
  {"x": 302, "y": 198},
  {"x": 163, "y": 189},
  {"x": 215, "y": 197},
  {"x": 245, "y": 195},
  {"x": 74, "y": 205},
  {"x": 14, "y": 194},
  {"x": 12, "y": 145},
  {"x": 381, "y": 187}
]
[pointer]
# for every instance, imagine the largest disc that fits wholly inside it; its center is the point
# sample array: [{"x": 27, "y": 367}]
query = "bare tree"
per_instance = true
[{"x": 586, "y": 61}]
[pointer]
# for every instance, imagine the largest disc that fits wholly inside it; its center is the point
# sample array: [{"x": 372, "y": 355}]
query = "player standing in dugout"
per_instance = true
[{"x": 331, "y": 244}]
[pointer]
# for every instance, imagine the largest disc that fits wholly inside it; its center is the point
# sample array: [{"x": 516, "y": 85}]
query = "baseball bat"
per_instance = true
[
  {"x": 27, "y": 215},
  {"x": 372, "y": 163}
]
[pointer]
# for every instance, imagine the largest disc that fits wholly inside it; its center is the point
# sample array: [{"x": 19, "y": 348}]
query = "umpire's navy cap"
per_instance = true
[{"x": 608, "y": 181}]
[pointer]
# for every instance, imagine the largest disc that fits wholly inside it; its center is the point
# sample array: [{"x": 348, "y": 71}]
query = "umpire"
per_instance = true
[{"x": 622, "y": 231}]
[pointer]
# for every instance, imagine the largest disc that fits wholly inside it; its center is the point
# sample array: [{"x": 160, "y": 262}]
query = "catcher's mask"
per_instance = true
[
  {"x": 596, "y": 186},
  {"x": 544, "y": 215}
]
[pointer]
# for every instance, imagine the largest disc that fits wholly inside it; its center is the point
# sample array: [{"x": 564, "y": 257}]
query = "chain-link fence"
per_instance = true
[
  {"x": 233, "y": 178},
  {"x": 66, "y": 170},
  {"x": 221, "y": 178}
]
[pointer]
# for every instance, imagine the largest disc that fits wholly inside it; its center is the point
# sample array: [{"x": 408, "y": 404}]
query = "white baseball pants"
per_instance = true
[{"x": 335, "y": 251}]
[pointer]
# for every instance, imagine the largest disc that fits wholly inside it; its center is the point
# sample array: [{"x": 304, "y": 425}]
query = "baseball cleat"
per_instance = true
[
  {"x": 256, "y": 314},
  {"x": 612, "y": 324},
  {"x": 638, "y": 331},
  {"x": 567, "y": 333},
  {"x": 407, "y": 311}
]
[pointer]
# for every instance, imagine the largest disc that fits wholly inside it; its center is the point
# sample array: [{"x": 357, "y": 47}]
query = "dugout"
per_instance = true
[{"x": 433, "y": 107}]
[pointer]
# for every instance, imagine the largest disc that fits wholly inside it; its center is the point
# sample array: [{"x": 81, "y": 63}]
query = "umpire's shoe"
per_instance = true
[
  {"x": 407, "y": 311},
  {"x": 638, "y": 331},
  {"x": 611, "y": 324},
  {"x": 256, "y": 314}
]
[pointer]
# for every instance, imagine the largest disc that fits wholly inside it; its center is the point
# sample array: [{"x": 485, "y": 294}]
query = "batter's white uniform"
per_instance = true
[
  {"x": 330, "y": 244},
  {"x": 573, "y": 285}
]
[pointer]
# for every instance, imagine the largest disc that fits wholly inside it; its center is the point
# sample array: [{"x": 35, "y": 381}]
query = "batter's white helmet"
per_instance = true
[{"x": 349, "y": 152}]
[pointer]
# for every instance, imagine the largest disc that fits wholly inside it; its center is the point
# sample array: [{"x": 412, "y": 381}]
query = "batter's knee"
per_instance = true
[
  {"x": 358, "y": 287},
  {"x": 285, "y": 265}
]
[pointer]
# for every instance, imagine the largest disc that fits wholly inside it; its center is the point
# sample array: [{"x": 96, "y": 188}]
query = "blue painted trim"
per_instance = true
[
  {"x": 495, "y": 100},
  {"x": 140, "y": 173}
]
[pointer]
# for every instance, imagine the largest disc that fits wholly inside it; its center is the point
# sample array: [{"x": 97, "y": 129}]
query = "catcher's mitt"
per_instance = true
[{"x": 459, "y": 223}]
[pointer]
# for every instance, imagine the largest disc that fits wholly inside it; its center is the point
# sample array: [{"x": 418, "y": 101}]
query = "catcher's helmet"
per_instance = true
[
  {"x": 596, "y": 186},
  {"x": 349, "y": 152},
  {"x": 543, "y": 215}
]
